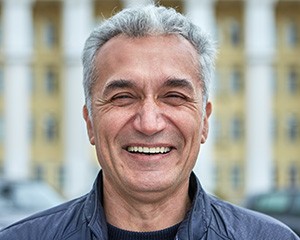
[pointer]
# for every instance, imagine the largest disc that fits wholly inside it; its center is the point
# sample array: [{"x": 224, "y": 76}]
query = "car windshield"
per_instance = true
[
  {"x": 35, "y": 196},
  {"x": 296, "y": 207},
  {"x": 28, "y": 196},
  {"x": 274, "y": 203}
]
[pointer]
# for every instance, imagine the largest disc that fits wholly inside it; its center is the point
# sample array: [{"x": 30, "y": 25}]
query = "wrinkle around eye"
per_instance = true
[
  {"x": 123, "y": 99},
  {"x": 177, "y": 99},
  {"x": 120, "y": 100}
]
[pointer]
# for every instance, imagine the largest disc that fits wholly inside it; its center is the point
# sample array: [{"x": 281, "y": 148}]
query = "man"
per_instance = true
[{"x": 146, "y": 80}]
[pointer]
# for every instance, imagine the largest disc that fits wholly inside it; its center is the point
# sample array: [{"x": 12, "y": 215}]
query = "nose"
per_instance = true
[{"x": 149, "y": 118}]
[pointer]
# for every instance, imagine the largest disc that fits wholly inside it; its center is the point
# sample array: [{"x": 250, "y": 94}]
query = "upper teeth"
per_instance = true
[{"x": 149, "y": 149}]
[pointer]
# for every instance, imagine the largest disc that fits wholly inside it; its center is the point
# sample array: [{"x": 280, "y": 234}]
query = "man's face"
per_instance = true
[{"x": 146, "y": 121}]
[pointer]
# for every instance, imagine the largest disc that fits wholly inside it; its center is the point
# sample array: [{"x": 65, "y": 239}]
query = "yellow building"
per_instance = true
[
  {"x": 230, "y": 148},
  {"x": 54, "y": 146},
  {"x": 229, "y": 115},
  {"x": 287, "y": 95}
]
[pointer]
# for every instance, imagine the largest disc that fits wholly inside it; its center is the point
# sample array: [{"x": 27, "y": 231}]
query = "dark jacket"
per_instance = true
[{"x": 208, "y": 219}]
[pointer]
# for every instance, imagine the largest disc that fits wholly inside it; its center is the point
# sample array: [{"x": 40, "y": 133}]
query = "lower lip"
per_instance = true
[{"x": 148, "y": 157}]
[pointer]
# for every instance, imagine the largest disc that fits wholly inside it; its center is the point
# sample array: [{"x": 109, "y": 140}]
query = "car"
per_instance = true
[
  {"x": 283, "y": 205},
  {"x": 19, "y": 199}
]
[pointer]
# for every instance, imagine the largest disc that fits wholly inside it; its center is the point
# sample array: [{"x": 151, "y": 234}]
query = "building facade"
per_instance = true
[{"x": 254, "y": 141}]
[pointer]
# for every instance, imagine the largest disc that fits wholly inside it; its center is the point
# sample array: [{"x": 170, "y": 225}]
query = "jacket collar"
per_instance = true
[
  {"x": 194, "y": 226},
  {"x": 93, "y": 209},
  {"x": 197, "y": 219}
]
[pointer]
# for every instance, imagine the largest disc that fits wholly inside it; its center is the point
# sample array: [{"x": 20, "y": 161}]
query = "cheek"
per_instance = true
[
  {"x": 188, "y": 124},
  {"x": 110, "y": 124},
  {"x": 193, "y": 132}
]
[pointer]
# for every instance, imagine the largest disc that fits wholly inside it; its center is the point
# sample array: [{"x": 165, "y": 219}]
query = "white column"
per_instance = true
[
  {"x": 260, "y": 49},
  {"x": 17, "y": 49},
  {"x": 202, "y": 13},
  {"x": 77, "y": 23},
  {"x": 133, "y": 3}
]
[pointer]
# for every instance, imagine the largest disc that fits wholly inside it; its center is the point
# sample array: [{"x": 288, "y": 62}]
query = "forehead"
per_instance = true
[
  {"x": 149, "y": 57},
  {"x": 174, "y": 42}
]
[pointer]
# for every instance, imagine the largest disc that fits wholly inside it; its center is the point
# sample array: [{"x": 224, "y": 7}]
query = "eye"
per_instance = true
[
  {"x": 175, "y": 98},
  {"x": 122, "y": 99}
]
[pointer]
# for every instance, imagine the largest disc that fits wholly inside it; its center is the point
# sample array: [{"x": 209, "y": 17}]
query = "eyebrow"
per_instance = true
[
  {"x": 117, "y": 84},
  {"x": 179, "y": 83}
]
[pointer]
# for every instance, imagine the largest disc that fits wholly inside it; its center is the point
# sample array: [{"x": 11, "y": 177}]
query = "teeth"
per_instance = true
[{"x": 152, "y": 150}]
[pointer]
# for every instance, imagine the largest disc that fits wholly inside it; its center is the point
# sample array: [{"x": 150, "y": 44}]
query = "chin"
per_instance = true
[{"x": 152, "y": 183}]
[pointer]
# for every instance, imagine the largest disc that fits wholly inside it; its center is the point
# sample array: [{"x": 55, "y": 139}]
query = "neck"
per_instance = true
[{"x": 144, "y": 214}]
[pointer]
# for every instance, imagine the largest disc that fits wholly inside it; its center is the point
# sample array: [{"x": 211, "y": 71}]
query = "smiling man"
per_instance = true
[
  {"x": 149, "y": 88},
  {"x": 146, "y": 79}
]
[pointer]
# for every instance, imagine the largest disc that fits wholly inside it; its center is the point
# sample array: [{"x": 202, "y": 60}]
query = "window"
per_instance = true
[
  {"x": 39, "y": 172},
  {"x": 236, "y": 128},
  {"x": 293, "y": 175},
  {"x": 292, "y": 81},
  {"x": 291, "y": 34},
  {"x": 235, "y": 177},
  {"x": 236, "y": 81},
  {"x": 234, "y": 33},
  {"x": 292, "y": 128},
  {"x": 49, "y": 34},
  {"x": 51, "y": 128},
  {"x": 51, "y": 82}
]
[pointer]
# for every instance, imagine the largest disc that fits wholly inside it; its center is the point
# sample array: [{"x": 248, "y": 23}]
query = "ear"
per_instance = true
[
  {"x": 89, "y": 125},
  {"x": 205, "y": 123}
]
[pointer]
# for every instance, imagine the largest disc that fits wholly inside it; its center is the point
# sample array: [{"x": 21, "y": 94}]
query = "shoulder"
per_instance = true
[
  {"x": 48, "y": 224},
  {"x": 241, "y": 223}
]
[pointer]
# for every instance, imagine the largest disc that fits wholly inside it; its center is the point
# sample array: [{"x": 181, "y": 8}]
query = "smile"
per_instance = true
[{"x": 148, "y": 150}]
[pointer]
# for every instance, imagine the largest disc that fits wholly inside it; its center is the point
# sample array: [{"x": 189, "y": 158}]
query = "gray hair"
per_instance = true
[{"x": 149, "y": 20}]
